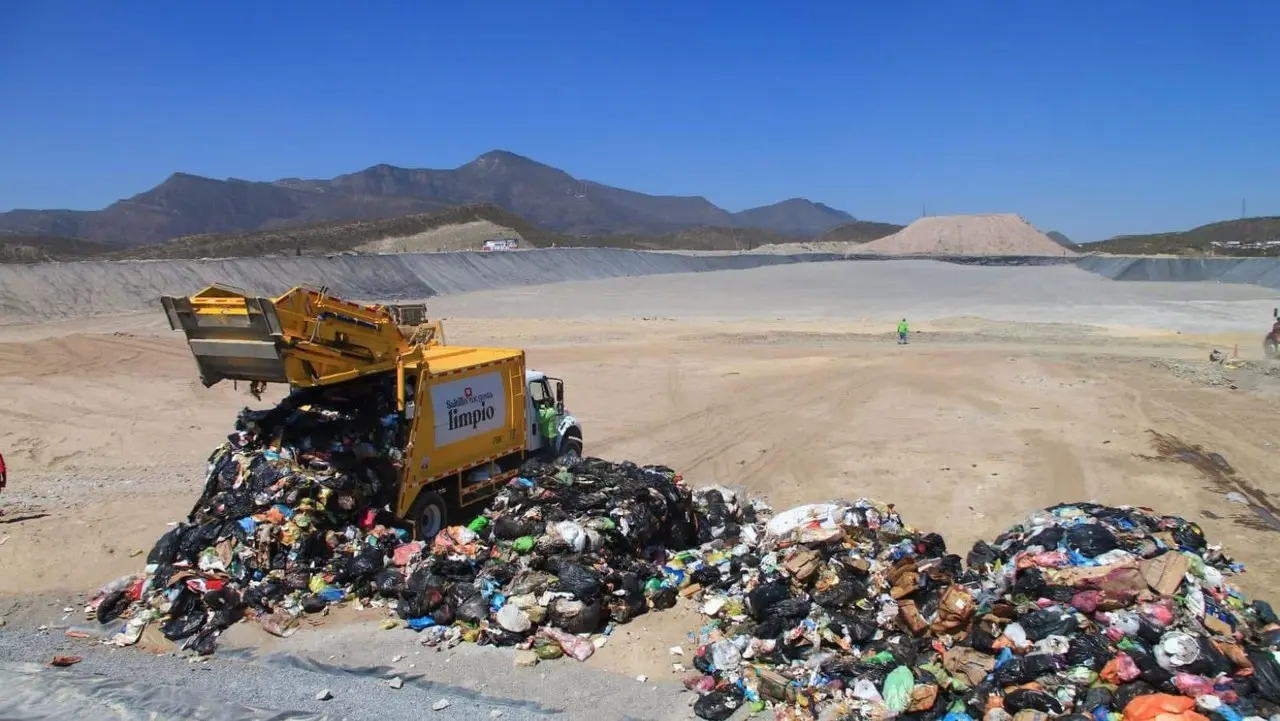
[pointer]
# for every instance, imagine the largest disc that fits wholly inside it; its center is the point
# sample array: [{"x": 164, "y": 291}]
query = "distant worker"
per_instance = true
[
  {"x": 902, "y": 332},
  {"x": 4, "y": 477},
  {"x": 548, "y": 423}
]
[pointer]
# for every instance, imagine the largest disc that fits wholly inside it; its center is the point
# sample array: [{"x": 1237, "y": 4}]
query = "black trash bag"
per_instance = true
[
  {"x": 1050, "y": 622},
  {"x": 1030, "y": 583},
  {"x": 860, "y": 628},
  {"x": 1059, "y": 594},
  {"x": 707, "y": 577},
  {"x": 443, "y": 615},
  {"x": 186, "y": 624},
  {"x": 1128, "y": 692},
  {"x": 718, "y": 705},
  {"x": 773, "y": 627},
  {"x": 1091, "y": 650},
  {"x": 792, "y": 608},
  {"x": 113, "y": 606},
  {"x": 931, "y": 545},
  {"x": 1091, "y": 539},
  {"x": 390, "y": 582},
  {"x": 1152, "y": 673},
  {"x": 575, "y": 616},
  {"x": 365, "y": 564},
  {"x": 981, "y": 556},
  {"x": 225, "y": 618},
  {"x": 1266, "y": 673},
  {"x": 764, "y": 596},
  {"x": 1266, "y": 615},
  {"x": 663, "y": 598},
  {"x": 506, "y": 528},
  {"x": 1023, "y": 698},
  {"x": 1028, "y": 668},
  {"x": 1048, "y": 538},
  {"x": 197, "y": 538},
  {"x": 501, "y": 637},
  {"x": 1096, "y": 696},
  {"x": 312, "y": 603},
  {"x": 206, "y": 643},
  {"x": 1211, "y": 662},
  {"x": 472, "y": 610},
  {"x": 422, "y": 579},
  {"x": 980, "y": 638},
  {"x": 1190, "y": 536},
  {"x": 581, "y": 582},
  {"x": 222, "y": 599},
  {"x": 847, "y": 591},
  {"x": 421, "y": 604},
  {"x": 167, "y": 547}
]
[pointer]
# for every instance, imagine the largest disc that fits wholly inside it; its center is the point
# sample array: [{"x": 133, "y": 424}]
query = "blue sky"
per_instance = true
[{"x": 1094, "y": 118}]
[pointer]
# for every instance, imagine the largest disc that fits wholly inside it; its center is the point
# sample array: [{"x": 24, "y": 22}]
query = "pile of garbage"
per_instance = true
[
  {"x": 293, "y": 518},
  {"x": 841, "y": 610}
]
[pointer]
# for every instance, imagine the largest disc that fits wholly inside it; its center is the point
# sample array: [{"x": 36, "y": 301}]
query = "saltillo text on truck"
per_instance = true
[{"x": 473, "y": 412}]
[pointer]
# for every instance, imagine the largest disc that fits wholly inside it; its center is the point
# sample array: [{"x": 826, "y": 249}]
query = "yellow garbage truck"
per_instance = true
[{"x": 475, "y": 414}]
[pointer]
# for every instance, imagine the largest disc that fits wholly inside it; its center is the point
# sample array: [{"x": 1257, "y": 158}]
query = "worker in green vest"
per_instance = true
[{"x": 902, "y": 332}]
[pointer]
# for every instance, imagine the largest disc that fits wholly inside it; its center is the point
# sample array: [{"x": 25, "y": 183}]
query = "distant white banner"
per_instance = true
[{"x": 468, "y": 407}]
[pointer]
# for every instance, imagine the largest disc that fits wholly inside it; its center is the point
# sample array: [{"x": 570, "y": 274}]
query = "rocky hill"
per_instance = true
[
  {"x": 550, "y": 198},
  {"x": 1241, "y": 237}
]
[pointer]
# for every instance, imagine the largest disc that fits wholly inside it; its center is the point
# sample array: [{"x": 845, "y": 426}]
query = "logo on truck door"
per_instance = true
[{"x": 468, "y": 407}]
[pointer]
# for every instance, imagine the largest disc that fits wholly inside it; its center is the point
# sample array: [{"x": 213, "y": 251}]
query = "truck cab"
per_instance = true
[{"x": 544, "y": 391}]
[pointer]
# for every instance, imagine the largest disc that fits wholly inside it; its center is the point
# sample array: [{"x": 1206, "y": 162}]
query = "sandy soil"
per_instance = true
[
  {"x": 984, "y": 234},
  {"x": 972, "y": 425}
]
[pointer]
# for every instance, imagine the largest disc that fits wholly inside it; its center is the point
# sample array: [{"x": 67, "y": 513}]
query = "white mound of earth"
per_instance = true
[{"x": 988, "y": 234}]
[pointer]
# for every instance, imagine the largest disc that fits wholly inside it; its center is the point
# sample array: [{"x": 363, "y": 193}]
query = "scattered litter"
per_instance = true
[
  {"x": 64, "y": 661},
  {"x": 676, "y": 651},
  {"x": 1237, "y": 497},
  {"x": 324, "y": 695},
  {"x": 642, "y": 678},
  {"x": 441, "y": 705},
  {"x": 396, "y": 683},
  {"x": 496, "y": 713}
]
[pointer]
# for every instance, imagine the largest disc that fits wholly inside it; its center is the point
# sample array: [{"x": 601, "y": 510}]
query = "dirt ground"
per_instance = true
[{"x": 106, "y": 429}]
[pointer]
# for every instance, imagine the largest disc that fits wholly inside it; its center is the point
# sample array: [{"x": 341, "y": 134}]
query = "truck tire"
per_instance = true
[
  {"x": 572, "y": 452},
  {"x": 430, "y": 515}
]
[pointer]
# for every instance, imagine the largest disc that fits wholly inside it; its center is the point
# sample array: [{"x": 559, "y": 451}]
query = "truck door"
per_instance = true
[{"x": 539, "y": 393}]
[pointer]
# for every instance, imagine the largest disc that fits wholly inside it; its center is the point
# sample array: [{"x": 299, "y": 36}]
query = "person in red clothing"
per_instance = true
[{"x": 3, "y": 478}]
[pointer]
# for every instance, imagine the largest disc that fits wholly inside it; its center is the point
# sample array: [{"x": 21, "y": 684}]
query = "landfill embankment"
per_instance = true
[
  {"x": 1256, "y": 271},
  {"x": 68, "y": 290}
]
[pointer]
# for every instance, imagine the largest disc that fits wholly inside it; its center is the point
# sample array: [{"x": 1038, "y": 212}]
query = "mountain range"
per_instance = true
[{"x": 548, "y": 197}]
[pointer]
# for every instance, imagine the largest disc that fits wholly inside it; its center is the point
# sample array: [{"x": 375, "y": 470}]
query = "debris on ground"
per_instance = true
[
  {"x": 293, "y": 518},
  {"x": 65, "y": 661},
  {"x": 841, "y": 610},
  {"x": 831, "y": 610},
  {"x": 324, "y": 695}
]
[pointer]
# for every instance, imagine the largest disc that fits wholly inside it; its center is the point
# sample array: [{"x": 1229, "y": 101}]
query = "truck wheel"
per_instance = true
[
  {"x": 430, "y": 515},
  {"x": 1271, "y": 348},
  {"x": 572, "y": 452}
]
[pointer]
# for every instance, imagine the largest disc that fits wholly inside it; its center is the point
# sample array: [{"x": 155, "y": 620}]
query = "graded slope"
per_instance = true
[
  {"x": 986, "y": 234},
  {"x": 31, "y": 293}
]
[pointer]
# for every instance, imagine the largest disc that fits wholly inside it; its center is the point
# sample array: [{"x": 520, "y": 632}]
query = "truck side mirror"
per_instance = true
[{"x": 560, "y": 396}]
